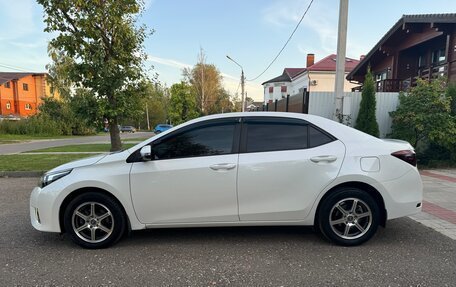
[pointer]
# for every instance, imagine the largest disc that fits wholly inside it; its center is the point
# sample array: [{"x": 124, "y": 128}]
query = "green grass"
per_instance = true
[
  {"x": 81, "y": 148},
  {"x": 35, "y": 162}
]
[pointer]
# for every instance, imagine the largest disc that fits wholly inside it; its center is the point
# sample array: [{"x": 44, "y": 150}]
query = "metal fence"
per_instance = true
[{"x": 323, "y": 104}]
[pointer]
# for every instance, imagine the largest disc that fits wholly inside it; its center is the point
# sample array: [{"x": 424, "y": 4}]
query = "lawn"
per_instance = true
[
  {"x": 81, "y": 148},
  {"x": 36, "y": 162}
]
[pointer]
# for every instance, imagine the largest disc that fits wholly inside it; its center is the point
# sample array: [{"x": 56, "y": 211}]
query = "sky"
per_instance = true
[{"x": 249, "y": 31}]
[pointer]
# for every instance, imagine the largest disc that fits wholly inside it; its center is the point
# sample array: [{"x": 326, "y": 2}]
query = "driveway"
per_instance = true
[
  {"x": 39, "y": 144},
  {"x": 406, "y": 253}
]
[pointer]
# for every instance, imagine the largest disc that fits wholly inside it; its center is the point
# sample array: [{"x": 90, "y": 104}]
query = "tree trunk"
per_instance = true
[{"x": 116, "y": 144}]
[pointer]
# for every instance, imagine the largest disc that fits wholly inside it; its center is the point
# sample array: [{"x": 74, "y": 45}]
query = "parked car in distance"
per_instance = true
[
  {"x": 161, "y": 128},
  {"x": 127, "y": 129},
  {"x": 235, "y": 169}
]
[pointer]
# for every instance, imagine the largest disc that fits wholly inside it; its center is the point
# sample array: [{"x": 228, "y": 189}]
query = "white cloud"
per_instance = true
[{"x": 168, "y": 62}]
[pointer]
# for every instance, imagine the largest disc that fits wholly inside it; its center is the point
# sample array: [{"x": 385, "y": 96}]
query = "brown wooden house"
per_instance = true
[{"x": 417, "y": 46}]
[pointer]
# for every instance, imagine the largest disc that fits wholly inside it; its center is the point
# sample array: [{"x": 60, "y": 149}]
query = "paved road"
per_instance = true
[
  {"x": 406, "y": 253},
  {"x": 39, "y": 144}
]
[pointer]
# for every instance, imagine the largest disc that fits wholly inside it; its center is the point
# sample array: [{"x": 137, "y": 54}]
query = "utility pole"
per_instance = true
[
  {"x": 242, "y": 90},
  {"x": 340, "y": 61},
  {"x": 147, "y": 115},
  {"x": 242, "y": 83}
]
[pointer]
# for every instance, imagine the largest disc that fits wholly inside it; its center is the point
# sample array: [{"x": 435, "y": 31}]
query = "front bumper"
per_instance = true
[{"x": 42, "y": 214}]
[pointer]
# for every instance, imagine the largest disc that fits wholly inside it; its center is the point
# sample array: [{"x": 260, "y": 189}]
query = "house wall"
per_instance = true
[
  {"x": 277, "y": 93},
  {"x": 325, "y": 82},
  {"x": 24, "y": 103}
]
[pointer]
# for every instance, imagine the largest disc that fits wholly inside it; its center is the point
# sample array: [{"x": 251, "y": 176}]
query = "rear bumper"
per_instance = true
[{"x": 404, "y": 195}]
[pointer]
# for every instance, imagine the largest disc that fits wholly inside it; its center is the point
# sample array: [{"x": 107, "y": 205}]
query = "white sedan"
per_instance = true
[{"x": 236, "y": 169}]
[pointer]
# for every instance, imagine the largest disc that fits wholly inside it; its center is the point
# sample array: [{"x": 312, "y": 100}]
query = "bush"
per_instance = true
[
  {"x": 32, "y": 126},
  {"x": 424, "y": 118}
]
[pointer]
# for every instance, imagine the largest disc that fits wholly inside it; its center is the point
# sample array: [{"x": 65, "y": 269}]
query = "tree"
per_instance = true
[
  {"x": 367, "y": 121},
  {"x": 182, "y": 103},
  {"x": 206, "y": 81},
  {"x": 424, "y": 115},
  {"x": 106, "y": 45}
]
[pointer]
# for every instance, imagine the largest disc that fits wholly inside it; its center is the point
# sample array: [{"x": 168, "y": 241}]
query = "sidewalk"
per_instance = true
[{"x": 439, "y": 204}]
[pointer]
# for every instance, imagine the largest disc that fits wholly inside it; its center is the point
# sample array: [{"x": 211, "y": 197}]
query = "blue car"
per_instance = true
[{"x": 161, "y": 128}]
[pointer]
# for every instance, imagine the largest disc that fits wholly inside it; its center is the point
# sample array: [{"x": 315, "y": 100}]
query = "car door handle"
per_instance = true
[
  {"x": 323, "y": 158},
  {"x": 223, "y": 166}
]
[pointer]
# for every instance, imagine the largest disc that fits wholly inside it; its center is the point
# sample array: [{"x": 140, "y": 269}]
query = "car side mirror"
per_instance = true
[{"x": 146, "y": 153}]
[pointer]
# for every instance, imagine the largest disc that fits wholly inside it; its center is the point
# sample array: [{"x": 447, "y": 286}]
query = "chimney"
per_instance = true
[
  {"x": 310, "y": 60},
  {"x": 362, "y": 57}
]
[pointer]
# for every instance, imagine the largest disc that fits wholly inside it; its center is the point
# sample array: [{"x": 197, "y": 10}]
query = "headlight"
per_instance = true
[{"x": 49, "y": 178}]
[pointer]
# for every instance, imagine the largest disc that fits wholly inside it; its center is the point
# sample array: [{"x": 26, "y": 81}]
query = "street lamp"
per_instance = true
[{"x": 242, "y": 82}]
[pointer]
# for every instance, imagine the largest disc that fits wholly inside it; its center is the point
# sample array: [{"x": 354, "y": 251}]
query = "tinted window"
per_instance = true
[
  {"x": 275, "y": 134},
  {"x": 317, "y": 137},
  {"x": 213, "y": 139}
]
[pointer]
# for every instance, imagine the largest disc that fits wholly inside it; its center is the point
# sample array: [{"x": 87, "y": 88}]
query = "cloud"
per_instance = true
[{"x": 168, "y": 62}]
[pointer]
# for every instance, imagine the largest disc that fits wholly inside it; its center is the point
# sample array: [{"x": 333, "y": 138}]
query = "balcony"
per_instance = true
[{"x": 427, "y": 73}]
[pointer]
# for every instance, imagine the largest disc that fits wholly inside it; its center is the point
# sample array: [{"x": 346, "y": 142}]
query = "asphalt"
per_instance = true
[
  {"x": 46, "y": 143},
  {"x": 406, "y": 253}
]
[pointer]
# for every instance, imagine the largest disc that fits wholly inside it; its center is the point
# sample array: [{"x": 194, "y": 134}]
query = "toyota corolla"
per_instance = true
[{"x": 237, "y": 169}]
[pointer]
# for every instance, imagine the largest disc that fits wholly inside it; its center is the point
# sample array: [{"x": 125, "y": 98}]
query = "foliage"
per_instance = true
[
  {"x": 106, "y": 45},
  {"x": 206, "y": 82},
  {"x": 425, "y": 114},
  {"x": 367, "y": 121},
  {"x": 42, "y": 126},
  {"x": 182, "y": 103}
]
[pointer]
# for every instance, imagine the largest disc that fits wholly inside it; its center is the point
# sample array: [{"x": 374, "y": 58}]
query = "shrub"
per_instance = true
[{"x": 367, "y": 121}]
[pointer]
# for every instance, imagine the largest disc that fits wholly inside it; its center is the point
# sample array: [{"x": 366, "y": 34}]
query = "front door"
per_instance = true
[{"x": 192, "y": 178}]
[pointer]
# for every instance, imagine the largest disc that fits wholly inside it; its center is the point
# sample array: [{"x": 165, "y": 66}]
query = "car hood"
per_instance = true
[{"x": 79, "y": 163}]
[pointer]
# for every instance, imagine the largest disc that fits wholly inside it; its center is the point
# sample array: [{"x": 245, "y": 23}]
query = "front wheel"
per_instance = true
[
  {"x": 94, "y": 220},
  {"x": 349, "y": 216}
]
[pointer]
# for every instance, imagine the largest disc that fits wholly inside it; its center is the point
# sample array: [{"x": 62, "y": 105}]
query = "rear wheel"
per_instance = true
[
  {"x": 94, "y": 220},
  {"x": 349, "y": 216}
]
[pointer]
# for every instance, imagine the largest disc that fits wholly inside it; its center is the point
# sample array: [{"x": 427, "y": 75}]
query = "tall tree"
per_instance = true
[
  {"x": 367, "y": 121},
  {"x": 182, "y": 103},
  {"x": 106, "y": 45},
  {"x": 206, "y": 81}
]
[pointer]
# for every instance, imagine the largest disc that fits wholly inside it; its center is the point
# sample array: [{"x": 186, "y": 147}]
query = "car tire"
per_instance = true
[
  {"x": 94, "y": 220},
  {"x": 348, "y": 217}
]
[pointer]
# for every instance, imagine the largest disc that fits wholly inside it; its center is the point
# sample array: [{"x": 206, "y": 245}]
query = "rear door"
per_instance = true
[{"x": 284, "y": 164}]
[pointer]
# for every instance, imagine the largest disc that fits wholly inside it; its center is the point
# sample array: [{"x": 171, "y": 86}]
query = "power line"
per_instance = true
[
  {"x": 286, "y": 43},
  {"x": 13, "y": 68}
]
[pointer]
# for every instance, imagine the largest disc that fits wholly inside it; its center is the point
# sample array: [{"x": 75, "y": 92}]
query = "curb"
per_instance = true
[{"x": 18, "y": 174}]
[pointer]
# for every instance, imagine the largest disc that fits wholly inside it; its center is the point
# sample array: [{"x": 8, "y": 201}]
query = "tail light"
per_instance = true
[{"x": 408, "y": 156}]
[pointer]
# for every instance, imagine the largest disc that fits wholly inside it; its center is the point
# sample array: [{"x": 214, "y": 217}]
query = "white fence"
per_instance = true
[{"x": 323, "y": 104}]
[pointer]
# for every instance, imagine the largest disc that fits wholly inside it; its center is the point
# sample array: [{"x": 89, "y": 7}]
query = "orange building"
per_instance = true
[{"x": 22, "y": 93}]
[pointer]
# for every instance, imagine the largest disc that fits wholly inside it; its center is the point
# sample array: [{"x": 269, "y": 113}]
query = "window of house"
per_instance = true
[
  {"x": 271, "y": 90},
  {"x": 422, "y": 61},
  {"x": 7, "y": 85},
  {"x": 283, "y": 89},
  {"x": 28, "y": 106},
  {"x": 8, "y": 106},
  {"x": 438, "y": 56},
  {"x": 209, "y": 139},
  {"x": 25, "y": 87},
  {"x": 275, "y": 134}
]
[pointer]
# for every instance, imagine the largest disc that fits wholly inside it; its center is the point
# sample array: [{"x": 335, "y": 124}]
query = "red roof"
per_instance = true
[
  {"x": 329, "y": 64},
  {"x": 292, "y": 72}
]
